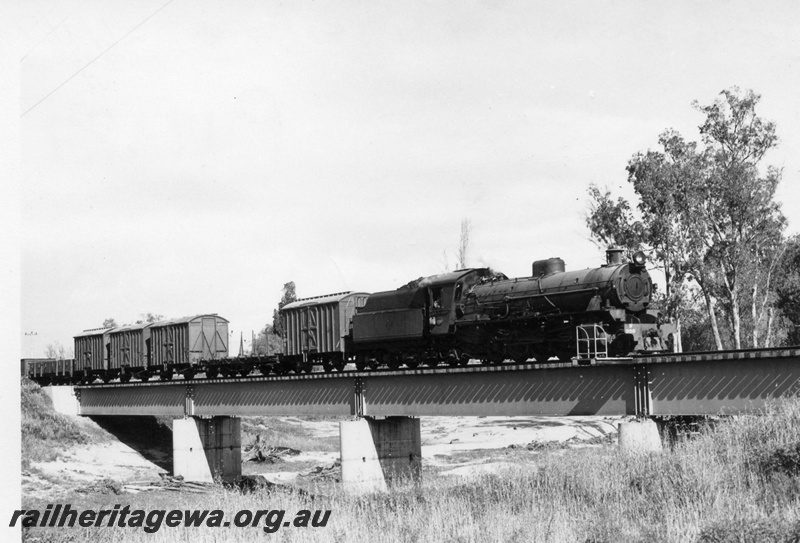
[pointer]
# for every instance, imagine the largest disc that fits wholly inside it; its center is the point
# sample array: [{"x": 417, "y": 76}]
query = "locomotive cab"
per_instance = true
[{"x": 445, "y": 298}]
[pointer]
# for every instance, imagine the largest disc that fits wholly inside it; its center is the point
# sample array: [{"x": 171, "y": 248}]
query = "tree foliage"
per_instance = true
[
  {"x": 56, "y": 350},
  {"x": 289, "y": 296},
  {"x": 149, "y": 318},
  {"x": 708, "y": 218},
  {"x": 787, "y": 291},
  {"x": 267, "y": 342},
  {"x": 110, "y": 323}
]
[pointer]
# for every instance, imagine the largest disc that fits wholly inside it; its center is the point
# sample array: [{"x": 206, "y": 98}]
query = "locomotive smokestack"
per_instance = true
[{"x": 613, "y": 256}]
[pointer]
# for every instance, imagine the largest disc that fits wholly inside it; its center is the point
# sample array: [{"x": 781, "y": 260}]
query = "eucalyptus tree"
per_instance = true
[{"x": 708, "y": 215}]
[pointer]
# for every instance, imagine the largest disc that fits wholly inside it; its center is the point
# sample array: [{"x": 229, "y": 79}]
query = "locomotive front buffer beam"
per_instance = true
[{"x": 382, "y": 441}]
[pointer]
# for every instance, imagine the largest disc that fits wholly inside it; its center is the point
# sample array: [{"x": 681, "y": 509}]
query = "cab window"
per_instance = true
[{"x": 436, "y": 298}]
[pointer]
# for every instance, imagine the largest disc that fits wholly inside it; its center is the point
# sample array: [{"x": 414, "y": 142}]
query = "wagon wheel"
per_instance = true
[
  {"x": 361, "y": 363},
  {"x": 327, "y": 367},
  {"x": 212, "y": 373},
  {"x": 188, "y": 374},
  {"x": 394, "y": 362},
  {"x": 265, "y": 369},
  {"x": 143, "y": 377},
  {"x": 125, "y": 378},
  {"x": 412, "y": 362},
  {"x": 166, "y": 376}
]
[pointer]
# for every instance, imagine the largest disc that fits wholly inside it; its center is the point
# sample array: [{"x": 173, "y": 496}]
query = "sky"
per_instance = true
[{"x": 182, "y": 157}]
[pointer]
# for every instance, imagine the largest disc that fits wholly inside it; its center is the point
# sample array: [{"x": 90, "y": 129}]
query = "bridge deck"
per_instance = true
[{"x": 705, "y": 384}]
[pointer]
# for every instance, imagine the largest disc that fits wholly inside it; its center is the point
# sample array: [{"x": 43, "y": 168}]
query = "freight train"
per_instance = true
[{"x": 468, "y": 315}]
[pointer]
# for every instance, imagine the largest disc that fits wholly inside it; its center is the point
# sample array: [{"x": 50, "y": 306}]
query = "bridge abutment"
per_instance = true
[
  {"x": 63, "y": 398},
  {"x": 205, "y": 449},
  {"x": 376, "y": 452}
]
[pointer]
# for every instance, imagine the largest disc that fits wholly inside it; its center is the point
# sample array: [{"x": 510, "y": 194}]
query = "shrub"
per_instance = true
[{"x": 44, "y": 432}]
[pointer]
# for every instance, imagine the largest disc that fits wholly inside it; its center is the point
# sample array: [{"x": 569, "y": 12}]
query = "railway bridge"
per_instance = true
[{"x": 383, "y": 439}]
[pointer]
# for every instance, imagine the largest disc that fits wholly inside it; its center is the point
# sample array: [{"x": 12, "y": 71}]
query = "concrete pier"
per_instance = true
[
  {"x": 205, "y": 449},
  {"x": 639, "y": 436},
  {"x": 377, "y": 451}
]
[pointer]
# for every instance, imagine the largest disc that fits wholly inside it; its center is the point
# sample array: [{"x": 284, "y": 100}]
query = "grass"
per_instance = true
[
  {"x": 736, "y": 482},
  {"x": 45, "y": 433}
]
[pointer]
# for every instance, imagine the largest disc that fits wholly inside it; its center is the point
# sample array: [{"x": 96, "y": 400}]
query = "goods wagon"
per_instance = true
[
  {"x": 183, "y": 345},
  {"x": 92, "y": 353},
  {"x": 129, "y": 352},
  {"x": 316, "y": 330}
]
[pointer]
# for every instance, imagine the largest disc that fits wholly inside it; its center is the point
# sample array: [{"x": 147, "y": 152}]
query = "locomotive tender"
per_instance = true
[{"x": 452, "y": 318}]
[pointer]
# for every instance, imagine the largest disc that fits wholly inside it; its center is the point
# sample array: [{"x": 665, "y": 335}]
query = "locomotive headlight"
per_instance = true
[{"x": 639, "y": 258}]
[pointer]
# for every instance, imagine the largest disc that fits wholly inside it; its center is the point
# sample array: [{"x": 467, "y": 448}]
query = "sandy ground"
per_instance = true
[
  {"x": 446, "y": 439},
  {"x": 451, "y": 446}
]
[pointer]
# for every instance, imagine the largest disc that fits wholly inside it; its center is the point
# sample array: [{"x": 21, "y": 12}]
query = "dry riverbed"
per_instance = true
[{"x": 451, "y": 447}]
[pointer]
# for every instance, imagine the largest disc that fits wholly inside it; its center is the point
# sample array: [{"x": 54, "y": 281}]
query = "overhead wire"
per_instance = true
[{"x": 106, "y": 50}]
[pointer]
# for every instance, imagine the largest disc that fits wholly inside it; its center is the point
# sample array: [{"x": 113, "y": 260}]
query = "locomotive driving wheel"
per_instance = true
[
  {"x": 564, "y": 355},
  {"x": 541, "y": 355}
]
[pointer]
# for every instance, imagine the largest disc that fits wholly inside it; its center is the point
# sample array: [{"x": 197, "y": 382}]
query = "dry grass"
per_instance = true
[
  {"x": 738, "y": 482},
  {"x": 45, "y": 433}
]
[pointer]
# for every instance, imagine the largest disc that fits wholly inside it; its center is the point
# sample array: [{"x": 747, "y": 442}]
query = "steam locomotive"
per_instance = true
[
  {"x": 453, "y": 318},
  {"x": 476, "y": 314}
]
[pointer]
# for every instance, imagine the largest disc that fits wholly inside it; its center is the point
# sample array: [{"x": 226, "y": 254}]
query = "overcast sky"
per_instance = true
[{"x": 192, "y": 157}]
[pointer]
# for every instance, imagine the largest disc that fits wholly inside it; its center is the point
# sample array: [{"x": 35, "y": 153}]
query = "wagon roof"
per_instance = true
[
  {"x": 183, "y": 320},
  {"x": 94, "y": 332},
  {"x": 324, "y": 299},
  {"x": 130, "y": 327}
]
